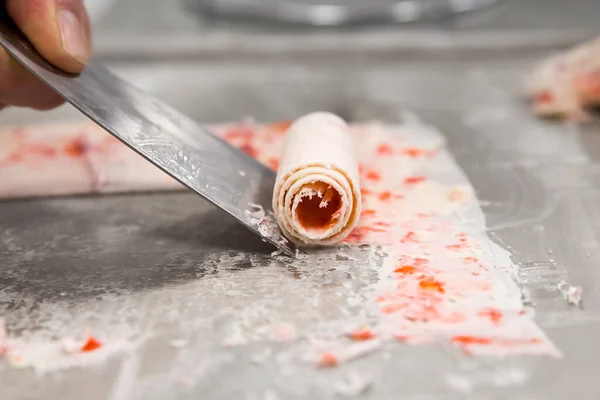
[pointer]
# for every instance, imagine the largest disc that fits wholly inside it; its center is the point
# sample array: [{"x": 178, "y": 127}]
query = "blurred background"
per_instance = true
[
  {"x": 274, "y": 59},
  {"x": 178, "y": 17}
]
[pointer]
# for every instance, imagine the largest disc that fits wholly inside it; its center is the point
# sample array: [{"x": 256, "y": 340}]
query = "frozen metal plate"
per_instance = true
[
  {"x": 150, "y": 260},
  {"x": 187, "y": 151},
  {"x": 339, "y": 12}
]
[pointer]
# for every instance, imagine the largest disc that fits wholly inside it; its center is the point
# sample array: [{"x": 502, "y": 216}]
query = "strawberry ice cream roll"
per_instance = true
[
  {"x": 317, "y": 195},
  {"x": 565, "y": 84}
]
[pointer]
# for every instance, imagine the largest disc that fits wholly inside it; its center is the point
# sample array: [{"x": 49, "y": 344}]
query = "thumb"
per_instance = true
[{"x": 59, "y": 30}]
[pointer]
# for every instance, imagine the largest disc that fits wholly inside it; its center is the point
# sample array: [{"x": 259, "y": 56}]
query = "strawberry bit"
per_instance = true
[
  {"x": 392, "y": 308},
  {"x": 365, "y": 192},
  {"x": 92, "y": 344},
  {"x": 360, "y": 235},
  {"x": 432, "y": 284},
  {"x": 482, "y": 341},
  {"x": 373, "y": 176},
  {"x": 421, "y": 261},
  {"x": 279, "y": 127},
  {"x": 411, "y": 180},
  {"x": 545, "y": 97},
  {"x": 402, "y": 338},
  {"x": 242, "y": 136},
  {"x": 383, "y": 298},
  {"x": 470, "y": 340},
  {"x": 250, "y": 150},
  {"x": 470, "y": 259},
  {"x": 381, "y": 223},
  {"x": 367, "y": 213},
  {"x": 458, "y": 246},
  {"x": 486, "y": 287},
  {"x": 76, "y": 147},
  {"x": 349, "y": 353},
  {"x": 412, "y": 152},
  {"x": 410, "y": 237},
  {"x": 12, "y": 158},
  {"x": 20, "y": 154},
  {"x": 273, "y": 163},
  {"x": 415, "y": 152},
  {"x": 361, "y": 335},
  {"x": 373, "y": 229},
  {"x": 493, "y": 314},
  {"x": 385, "y": 195},
  {"x": 406, "y": 270},
  {"x": 385, "y": 150},
  {"x": 328, "y": 360},
  {"x": 356, "y": 236}
]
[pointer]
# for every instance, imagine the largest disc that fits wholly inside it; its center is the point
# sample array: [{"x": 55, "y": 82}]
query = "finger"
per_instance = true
[
  {"x": 59, "y": 30},
  {"x": 21, "y": 88}
]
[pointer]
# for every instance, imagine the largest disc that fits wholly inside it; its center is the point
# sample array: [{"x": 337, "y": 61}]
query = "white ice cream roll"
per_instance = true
[{"x": 317, "y": 194}]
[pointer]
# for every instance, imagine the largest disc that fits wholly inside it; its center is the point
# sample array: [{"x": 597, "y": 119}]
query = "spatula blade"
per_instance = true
[{"x": 187, "y": 151}]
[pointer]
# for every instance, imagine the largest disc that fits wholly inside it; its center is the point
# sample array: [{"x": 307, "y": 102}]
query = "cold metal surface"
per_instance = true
[
  {"x": 176, "y": 144},
  {"x": 168, "y": 265}
]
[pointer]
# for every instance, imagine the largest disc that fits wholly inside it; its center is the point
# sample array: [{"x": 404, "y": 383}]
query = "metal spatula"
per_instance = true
[{"x": 176, "y": 144}]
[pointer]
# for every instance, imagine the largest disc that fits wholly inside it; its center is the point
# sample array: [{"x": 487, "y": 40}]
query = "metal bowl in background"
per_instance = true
[
  {"x": 98, "y": 8},
  {"x": 337, "y": 12}
]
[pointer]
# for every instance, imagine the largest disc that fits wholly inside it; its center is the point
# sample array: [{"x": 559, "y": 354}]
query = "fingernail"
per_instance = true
[{"x": 73, "y": 37}]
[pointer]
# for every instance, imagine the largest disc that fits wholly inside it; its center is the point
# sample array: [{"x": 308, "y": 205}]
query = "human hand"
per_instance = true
[{"x": 60, "y": 31}]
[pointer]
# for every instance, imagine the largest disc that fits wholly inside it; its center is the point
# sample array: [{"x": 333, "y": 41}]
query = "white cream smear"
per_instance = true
[{"x": 439, "y": 277}]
